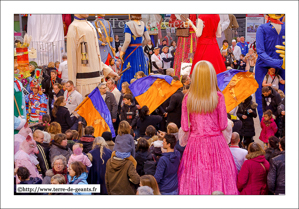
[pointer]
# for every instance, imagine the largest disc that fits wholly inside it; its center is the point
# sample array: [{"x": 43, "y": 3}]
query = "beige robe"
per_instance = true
[{"x": 78, "y": 31}]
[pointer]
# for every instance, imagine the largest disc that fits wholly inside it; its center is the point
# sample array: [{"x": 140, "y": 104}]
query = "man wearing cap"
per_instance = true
[
  {"x": 236, "y": 49},
  {"x": 166, "y": 57},
  {"x": 36, "y": 104},
  {"x": 164, "y": 43},
  {"x": 157, "y": 61},
  {"x": 243, "y": 45}
]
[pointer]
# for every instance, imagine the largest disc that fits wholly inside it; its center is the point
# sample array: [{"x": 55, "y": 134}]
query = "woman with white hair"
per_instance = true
[
  {"x": 100, "y": 155},
  {"x": 207, "y": 164}
]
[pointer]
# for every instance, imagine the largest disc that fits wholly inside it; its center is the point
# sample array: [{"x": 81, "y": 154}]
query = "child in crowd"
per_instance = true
[
  {"x": 124, "y": 147},
  {"x": 140, "y": 74},
  {"x": 24, "y": 176},
  {"x": 269, "y": 127},
  {"x": 242, "y": 63},
  {"x": 156, "y": 147},
  {"x": 46, "y": 120},
  {"x": 150, "y": 134},
  {"x": 167, "y": 57},
  {"x": 75, "y": 136},
  {"x": 129, "y": 111},
  {"x": 79, "y": 156}
]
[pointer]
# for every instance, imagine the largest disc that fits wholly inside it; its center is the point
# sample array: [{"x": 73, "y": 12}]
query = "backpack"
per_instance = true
[{"x": 149, "y": 167}]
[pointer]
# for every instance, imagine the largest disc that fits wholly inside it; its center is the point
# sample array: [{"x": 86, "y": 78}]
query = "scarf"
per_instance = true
[
  {"x": 224, "y": 47},
  {"x": 274, "y": 21},
  {"x": 267, "y": 123},
  {"x": 63, "y": 172}
]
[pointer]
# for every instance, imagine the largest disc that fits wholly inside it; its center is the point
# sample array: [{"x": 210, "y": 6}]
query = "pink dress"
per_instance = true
[{"x": 207, "y": 164}]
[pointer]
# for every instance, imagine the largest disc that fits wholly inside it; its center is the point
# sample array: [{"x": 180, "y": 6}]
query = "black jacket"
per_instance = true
[
  {"x": 153, "y": 120},
  {"x": 275, "y": 101},
  {"x": 271, "y": 152},
  {"x": 129, "y": 113},
  {"x": 276, "y": 175},
  {"x": 32, "y": 180},
  {"x": 174, "y": 109},
  {"x": 87, "y": 142},
  {"x": 111, "y": 104},
  {"x": 49, "y": 87},
  {"x": 141, "y": 157},
  {"x": 147, "y": 50},
  {"x": 247, "y": 124},
  {"x": 281, "y": 118},
  {"x": 42, "y": 157},
  {"x": 64, "y": 119}
]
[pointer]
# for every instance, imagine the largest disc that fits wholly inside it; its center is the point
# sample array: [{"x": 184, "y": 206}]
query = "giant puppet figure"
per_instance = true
[
  {"x": 186, "y": 44},
  {"x": 132, "y": 53},
  {"x": 105, "y": 38},
  {"x": 86, "y": 68},
  {"x": 268, "y": 36}
]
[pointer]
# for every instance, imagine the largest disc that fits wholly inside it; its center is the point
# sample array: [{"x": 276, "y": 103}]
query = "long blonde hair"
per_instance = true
[
  {"x": 100, "y": 143},
  {"x": 202, "y": 96}
]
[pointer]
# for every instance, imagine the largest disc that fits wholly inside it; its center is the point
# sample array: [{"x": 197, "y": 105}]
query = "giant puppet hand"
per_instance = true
[{"x": 281, "y": 51}]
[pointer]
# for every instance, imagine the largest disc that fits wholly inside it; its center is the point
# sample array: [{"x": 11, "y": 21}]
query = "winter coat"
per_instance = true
[
  {"x": 49, "y": 175},
  {"x": 83, "y": 178},
  {"x": 97, "y": 172},
  {"x": 31, "y": 180},
  {"x": 174, "y": 109},
  {"x": 141, "y": 157},
  {"x": 276, "y": 175},
  {"x": 166, "y": 172},
  {"x": 121, "y": 176},
  {"x": 64, "y": 119},
  {"x": 49, "y": 87},
  {"x": 247, "y": 124},
  {"x": 252, "y": 178},
  {"x": 87, "y": 142},
  {"x": 111, "y": 104},
  {"x": 129, "y": 113},
  {"x": 267, "y": 131},
  {"x": 42, "y": 157},
  {"x": 57, "y": 149},
  {"x": 271, "y": 152},
  {"x": 275, "y": 101}
]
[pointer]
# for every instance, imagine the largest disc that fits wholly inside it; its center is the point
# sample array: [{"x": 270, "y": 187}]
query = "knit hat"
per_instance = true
[
  {"x": 107, "y": 136},
  {"x": 34, "y": 64}
]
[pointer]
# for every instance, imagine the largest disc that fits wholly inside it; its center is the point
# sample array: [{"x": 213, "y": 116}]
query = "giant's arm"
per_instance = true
[{"x": 71, "y": 53}]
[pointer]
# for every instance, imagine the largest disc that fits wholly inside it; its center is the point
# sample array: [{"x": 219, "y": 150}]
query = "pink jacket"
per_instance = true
[
  {"x": 80, "y": 158},
  {"x": 267, "y": 131}
]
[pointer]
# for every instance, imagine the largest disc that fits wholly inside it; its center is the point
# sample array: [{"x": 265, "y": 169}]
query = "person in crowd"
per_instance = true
[
  {"x": 242, "y": 62},
  {"x": 272, "y": 79},
  {"x": 145, "y": 120},
  {"x": 77, "y": 175},
  {"x": 54, "y": 129},
  {"x": 118, "y": 61},
  {"x": 117, "y": 43},
  {"x": 185, "y": 89},
  {"x": 225, "y": 46},
  {"x": 72, "y": 97},
  {"x": 276, "y": 175},
  {"x": 51, "y": 66},
  {"x": 79, "y": 156},
  {"x": 166, "y": 57},
  {"x": 167, "y": 168},
  {"x": 243, "y": 45},
  {"x": 121, "y": 176},
  {"x": 172, "y": 129},
  {"x": 87, "y": 139},
  {"x": 49, "y": 83},
  {"x": 69, "y": 137},
  {"x": 100, "y": 155},
  {"x": 129, "y": 111},
  {"x": 24, "y": 176},
  {"x": 59, "y": 179},
  {"x": 140, "y": 74},
  {"x": 252, "y": 178},
  {"x": 161, "y": 110},
  {"x": 227, "y": 59},
  {"x": 124, "y": 143},
  {"x": 156, "y": 59},
  {"x": 149, "y": 50},
  {"x": 250, "y": 58},
  {"x": 185, "y": 79},
  {"x": 62, "y": 116},
  {"x": 43, "y": 153},
  {"x": 164, "y": 43},
  {"x": 150, "y": 134},
  {"x": 110, "y": 101},
  {"x": 44, "y": 126},
  {"x": 170, "y": 72},
  {"x": 59, "y": 166},
  {"x": 56, "y": 64},
  {"x": 145, "y": 190},
  {"x": 236, "y": 50},
  {"x": 268, "y": 125},
  {"x": 59, "y": 147},
  {"x": 58, "y": 91},
  {"x": 246, "y": 112},
  {"x": 113, "y": 89},
  {"x": 281, "y": 115},
  {"x": 63, "y": 70},
  {"x": 46, "y": 143},
  {"x": 112, "y": 64},
  {"x": 156, "y": 146},
  {"x": 108, "y": 139},
  {"x": 205, "y": 137},
  {"x": 150, "y": 181},
  {"x": 235, "y": 64},
  {"x": 238, "y": 153},
  {"x": 174, "y": 109},
  {"x": 142, "y": 154},
  {"x": 272, "y": 148},
  {"x": 75, "y": 135},
  {"x": 172, "y": 46},
  {"x": 270, "y": 100}
]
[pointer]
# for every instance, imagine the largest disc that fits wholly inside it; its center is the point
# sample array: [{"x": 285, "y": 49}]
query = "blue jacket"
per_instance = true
[
  {"x": 83, "y": 178},
  {"x": 166, "y": 172},
  {"x": 244, "y": 47}
]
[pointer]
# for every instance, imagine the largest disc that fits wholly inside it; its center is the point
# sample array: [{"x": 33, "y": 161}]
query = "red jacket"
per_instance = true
[
  {"x": 252, "y": 178},
  {"x": 267, "y": 131}
]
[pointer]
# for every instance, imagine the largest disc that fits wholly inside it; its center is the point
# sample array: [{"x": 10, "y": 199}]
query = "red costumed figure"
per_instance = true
[
  {"x": 208, "y": 27},
  {"x": 186, "y": 44}
]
